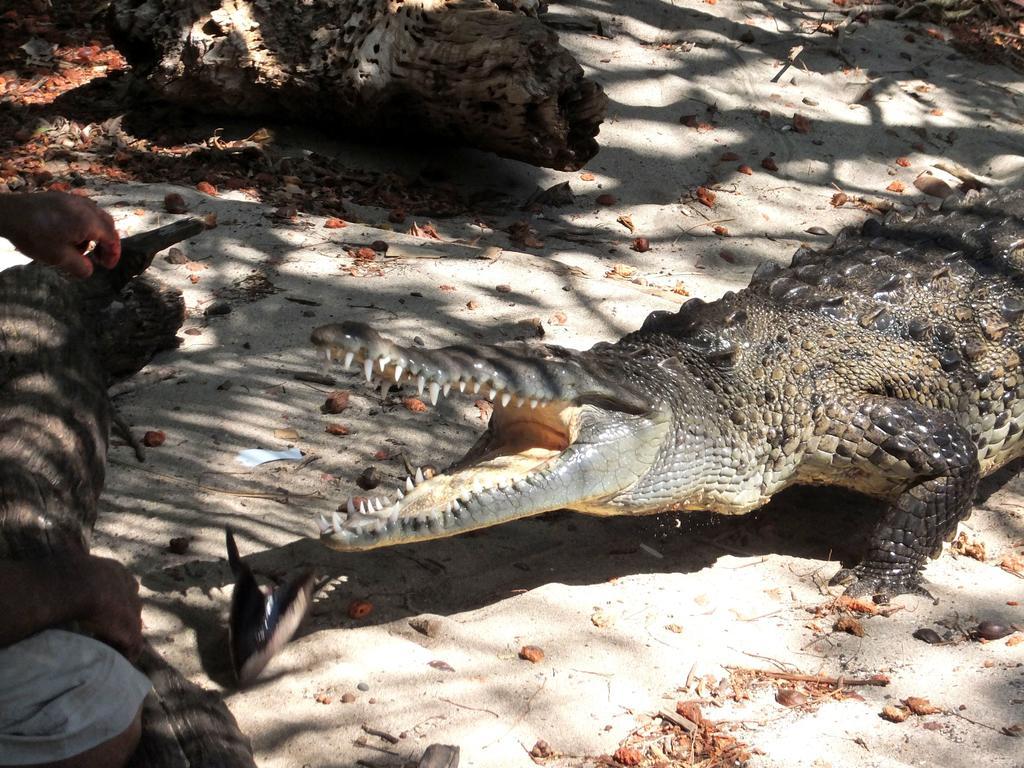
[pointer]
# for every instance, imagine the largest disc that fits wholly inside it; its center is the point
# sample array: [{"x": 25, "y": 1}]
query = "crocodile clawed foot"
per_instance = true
[{"x": 879, "y": 586}]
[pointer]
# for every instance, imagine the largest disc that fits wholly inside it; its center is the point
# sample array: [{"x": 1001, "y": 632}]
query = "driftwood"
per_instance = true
[
  {"x": 462, "y": 70},
  {"x": 61, "y": 342}
]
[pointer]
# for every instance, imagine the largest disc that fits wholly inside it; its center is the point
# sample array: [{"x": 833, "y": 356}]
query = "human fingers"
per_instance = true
[
  {"x": 108, "y": 243},
  {"x": 72, "y": 260}
]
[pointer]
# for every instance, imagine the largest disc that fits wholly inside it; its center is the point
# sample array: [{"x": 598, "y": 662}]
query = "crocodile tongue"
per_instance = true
[{"x": 550, "y": 442}]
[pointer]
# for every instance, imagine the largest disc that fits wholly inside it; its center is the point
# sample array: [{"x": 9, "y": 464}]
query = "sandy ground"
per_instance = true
[{"x": 633, "y": 615}]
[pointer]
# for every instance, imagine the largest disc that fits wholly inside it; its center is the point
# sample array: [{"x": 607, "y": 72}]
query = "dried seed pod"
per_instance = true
[
  {"x": 992, "y": 630},
  {"x": 927, "y": 635}
]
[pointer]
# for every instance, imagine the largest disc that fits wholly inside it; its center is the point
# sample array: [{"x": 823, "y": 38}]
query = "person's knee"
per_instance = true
[
  {"x": 113, "y": 753},
  {"x": 68, "y": 701}
]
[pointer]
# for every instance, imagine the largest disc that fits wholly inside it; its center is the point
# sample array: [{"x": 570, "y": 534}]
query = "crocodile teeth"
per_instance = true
[
  {"x": 368, "y": 369},
  {"x": 419, "y": 475},
  {"x": 351, "y": 507},
  {"x": 435, "y": 390},
  {"x": 506, "y": 398},
  {"x": 533, "y": 403},
  {"x": 349, "y": 357},
  {"x": 336, "y": 519},
  {"x": 362, "y": 507},
  {"x": 377, "y": 503},
  {"x": 400, "y": 494},
  {"x": 383, "y": 362},
  {"x": 492, "y": 394},
  {"x": 325, "y": 527},
  {"x": 446, "y": 389},
  {"x": 462, "y": 385},
  {"x": 421, "y": 382},
  {"x": 398, "y": 373},
  {"x": 409, "y": 485},
  {"x": 476, "y": 387}
]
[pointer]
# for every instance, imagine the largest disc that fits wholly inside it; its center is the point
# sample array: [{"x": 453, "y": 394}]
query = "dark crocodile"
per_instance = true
[{"x": 888, "y": 363}]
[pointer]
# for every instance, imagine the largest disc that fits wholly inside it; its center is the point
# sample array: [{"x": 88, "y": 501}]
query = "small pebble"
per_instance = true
[
  {"x": 348, "y": 698},
  {"x": 175, "y": 256},
  {"x": 363, "y": 686},
  {"x": 790, "y": 697},
  {"x": 179, "y": 544},
  {"x": 369, "y": 479}
]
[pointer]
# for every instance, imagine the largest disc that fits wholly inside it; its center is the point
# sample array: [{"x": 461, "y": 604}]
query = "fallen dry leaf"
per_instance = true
[
  {"x": 334, "y": 428},
  {"x": 621, "y": 270},
  {"x": 746, "y": 170},
  {"x": 1013, "y": 563},
  {"x": 839, "y": 199},
  {"x": 207, "y": 188},
  {"x": 334, "y": 223},
  {"x": 963, "y": 546},
  {"x": 601, "y": 619},
  {"x": 154, "y": 438},
  {"x": 801, "y": 123},
  {"x": 921, "y": 706},
  {"x": 627, "y": 221},
  {"x": 586, "y": 177},
  {"x": 531, "y": 653},
  {"x": 628, "y": 756},
  {"x": 850, "y": 625},
  {"x": 903, "y": 162},
  {"x": 857, "y": 605},
  {"x": 558, "y": 318},
  {"x": 286, "y": 434},
  {"x": 721, "y": 231},
  {"x": 896, "y": 186},
  {"x": 894, "y": 714},
  {"x": 336, "y": 402},
  {"x": 414, "y": 404},
  {"x": 706, "y": 196},
  {"x": 426, "y": 231},
  {"x": 472, "y": 304},
  {"x": 769, "y": 164}
]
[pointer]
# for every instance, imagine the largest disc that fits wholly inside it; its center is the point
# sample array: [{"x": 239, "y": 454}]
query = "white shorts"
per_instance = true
[{"x": 62, "y": 694}]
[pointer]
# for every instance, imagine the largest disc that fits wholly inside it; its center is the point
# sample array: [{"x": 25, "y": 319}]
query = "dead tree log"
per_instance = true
[
  {"x": 61, "y": 342},
  {"x": 462, "y": 70}
]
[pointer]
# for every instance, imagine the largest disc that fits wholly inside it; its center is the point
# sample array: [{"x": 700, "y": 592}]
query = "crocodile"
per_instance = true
[{"x": 888, "y": 363}]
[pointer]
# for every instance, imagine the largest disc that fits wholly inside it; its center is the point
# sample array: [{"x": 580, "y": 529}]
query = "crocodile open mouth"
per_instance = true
[{"x": 549, "y": 416}]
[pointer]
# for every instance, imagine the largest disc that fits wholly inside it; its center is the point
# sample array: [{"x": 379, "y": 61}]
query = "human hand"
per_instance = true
[
  {"x": 116, "y": 608},
  {"x": 57, "y": 229}
]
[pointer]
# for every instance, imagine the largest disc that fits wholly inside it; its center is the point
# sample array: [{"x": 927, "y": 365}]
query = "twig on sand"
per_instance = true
[
  {"x": 380, "y": 734},
  {"x": 466, "y": 706},
  {"x": 835, "y": 682}
]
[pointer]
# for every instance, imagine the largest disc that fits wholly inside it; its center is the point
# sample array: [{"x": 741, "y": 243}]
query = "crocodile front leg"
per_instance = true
[{"x": 932, "y": 466}]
